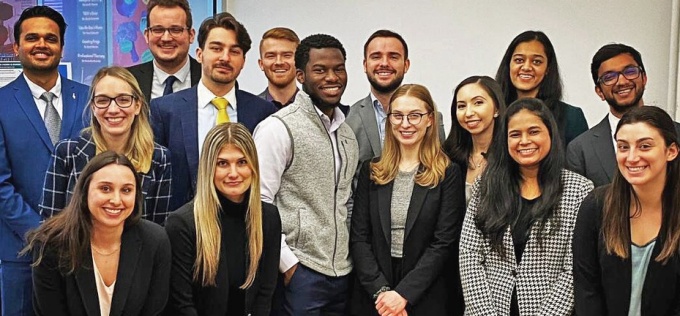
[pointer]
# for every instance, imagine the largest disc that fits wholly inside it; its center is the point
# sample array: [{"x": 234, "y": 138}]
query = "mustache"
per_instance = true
[
  {"x": 42, "y": 50},
  {"x": 224, "y": 65}
]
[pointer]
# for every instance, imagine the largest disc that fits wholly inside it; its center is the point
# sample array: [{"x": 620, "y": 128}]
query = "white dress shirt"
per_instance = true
[
  {"x": 37, "y": 91},
  {"x": 183, "y": 81},
  {"x": 207, "y": 112}
]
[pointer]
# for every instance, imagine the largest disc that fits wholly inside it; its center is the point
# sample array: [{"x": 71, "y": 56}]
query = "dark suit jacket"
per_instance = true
[
  {"x": 574, "y": 123},
  {"x": 433, "y": 223},
  {"x": 592, "y": 154},
  {"x": 142, "y": 281},
  {"x": 144, "y": 75},
  {"x": 25, "y": 152},
  {"x": 602, "y": 281},
  {"x": 174, "y": 119},
  {"x": 188, "y": 297}
]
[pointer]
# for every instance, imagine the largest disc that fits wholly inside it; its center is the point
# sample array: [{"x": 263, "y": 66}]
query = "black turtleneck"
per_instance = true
[{"x": 234, "y": 241}]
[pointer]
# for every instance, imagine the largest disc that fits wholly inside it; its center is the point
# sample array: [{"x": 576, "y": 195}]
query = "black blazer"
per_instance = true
[
  {"x": 433, "y": 226},
  {"x": 142, "y": 281},
  {"x": 602, "y": 282},
  {"x": 144, "y": 75},
  {"x": 188, "y": 297}
]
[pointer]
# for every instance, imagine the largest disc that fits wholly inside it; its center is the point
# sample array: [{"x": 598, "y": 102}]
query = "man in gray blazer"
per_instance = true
[
  {"x": 385, "y": 64},
  {"x": 619, "y": 76}
]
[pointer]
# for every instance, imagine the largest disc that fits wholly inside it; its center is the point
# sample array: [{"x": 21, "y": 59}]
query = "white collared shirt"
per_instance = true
[
  {"x": 380, "y": 118},
  {"x": 183, "y": 81},
  {"x": 207, "y": 112},
  {"x": 613, "y": 121},
  {"x": 37, "y": 91}
]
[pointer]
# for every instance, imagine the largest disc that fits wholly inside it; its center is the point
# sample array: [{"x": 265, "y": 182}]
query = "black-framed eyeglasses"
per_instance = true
[
  {"x": 411, "y": 118},
  {"x": 610, "y": 78},
  {"x": 122, "y": 101},
  {"x": 173, "y": 30}
]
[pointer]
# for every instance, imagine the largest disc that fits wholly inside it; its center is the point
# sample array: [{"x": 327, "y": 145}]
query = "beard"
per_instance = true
[
  {"x": 389, "y": 88},
  {"x": 623, "y": 108}
]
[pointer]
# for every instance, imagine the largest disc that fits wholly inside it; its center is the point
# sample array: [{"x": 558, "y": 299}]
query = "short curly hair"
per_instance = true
[{"x": 317, "y": 41}]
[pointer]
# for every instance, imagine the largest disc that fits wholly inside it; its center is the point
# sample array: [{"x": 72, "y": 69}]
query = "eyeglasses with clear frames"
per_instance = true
[
  {"x": 610, "y": 78},
  {"x": 173, "y": 30},
  {"x": 411, "y": 118},
  {"x": 122, "y": 101}
]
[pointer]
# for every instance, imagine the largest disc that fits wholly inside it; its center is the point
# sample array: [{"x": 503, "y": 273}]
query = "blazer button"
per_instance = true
[{"x": 514, "y": 273}]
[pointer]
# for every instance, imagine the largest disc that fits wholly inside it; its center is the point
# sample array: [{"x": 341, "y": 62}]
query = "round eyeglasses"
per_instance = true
[
  {"x": 610, "y": 78},
  {"x": 411, "y": 118},
  {"x": 173, "y": 30},
  {"x": 122, "y": 101}
]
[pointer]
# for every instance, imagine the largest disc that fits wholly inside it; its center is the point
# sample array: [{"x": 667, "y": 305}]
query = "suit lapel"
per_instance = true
[
  {"x": 87, "y": 286},
  {"x": 195, "y": 71},
  {"x": 130, "y": 248},
  {"x": 603, "y": 147},
  {"x": 384, "y": 193},
  {"x": 69, "y": 99},
  {"x": 416, "y": 204},
  {"x": 190, "y": 133},
  {"x": 23, "y": 95},
  {"x": 370, "y": 125},
  {"x": 146, "y": 80},
  {"x": 244, "y": 111}
]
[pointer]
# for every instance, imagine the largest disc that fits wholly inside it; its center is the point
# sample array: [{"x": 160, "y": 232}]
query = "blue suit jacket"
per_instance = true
[
  {"x": 174, "y": 118},
  {"x": 25, "y": 151}
]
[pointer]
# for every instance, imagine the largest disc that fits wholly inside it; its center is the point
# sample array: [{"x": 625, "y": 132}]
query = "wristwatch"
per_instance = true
[{"x": 381, "y": 290}]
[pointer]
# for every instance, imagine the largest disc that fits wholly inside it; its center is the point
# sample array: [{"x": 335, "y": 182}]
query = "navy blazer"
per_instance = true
[
  {"x": 144, "y": 75},
  {"x": 25, "y": 151},
  {"x": 142, "y": 280},
  {"x": 174, "y": 119}
]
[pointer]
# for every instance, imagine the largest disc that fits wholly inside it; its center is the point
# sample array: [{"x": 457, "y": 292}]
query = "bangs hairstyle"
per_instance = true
[
  {"x": 281, "y": 33},
  {"x": 501, "y": 180},
  {"x": 550, "y": 89},
  {"x": 458, "y": 146},
  {"x": 226, "y": 21},
  {"x": 140, "y": 145},
  {"x": 68, "y": 233},
  {"x": 620, "y": 195},
  {"x": 433, "y": 160},
  {"x": 207, "y": 206}
]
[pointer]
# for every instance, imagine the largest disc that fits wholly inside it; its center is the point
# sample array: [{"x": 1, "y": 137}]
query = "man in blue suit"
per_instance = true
[
  {"x": 182, "y": 120},
  {"x": 38, "y": 108}
]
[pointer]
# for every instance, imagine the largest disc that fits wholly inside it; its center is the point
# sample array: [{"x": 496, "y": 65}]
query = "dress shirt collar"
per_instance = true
[
  {"x": 182, "y": 74},
  {"x": 205, "y": 96},
  {"x": 37, "y": 90},
  {"x": 334, "y": 124}
]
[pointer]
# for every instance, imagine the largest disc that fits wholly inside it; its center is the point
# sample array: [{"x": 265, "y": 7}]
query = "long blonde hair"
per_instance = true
[
  {"x": 433, "y": 160},
  {"x": 207, "y": 206},
  {"x": 140, "y": 146}
]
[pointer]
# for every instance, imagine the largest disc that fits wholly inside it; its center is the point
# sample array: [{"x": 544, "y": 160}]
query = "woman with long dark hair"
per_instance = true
[
  {"x": 226, "y": 242},
  {"x": 627, "y": 237},
  {"x": 529, "y": 70},
  {"x": 477, "y": 104},
  {"x": 515, "y": 247},
  {"x": 97, "y": 256},
  {"x": 408, "y": 208}
]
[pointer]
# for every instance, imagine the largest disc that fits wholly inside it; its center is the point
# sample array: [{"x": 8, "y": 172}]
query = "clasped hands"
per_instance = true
[{"x": 390, "y": 303}]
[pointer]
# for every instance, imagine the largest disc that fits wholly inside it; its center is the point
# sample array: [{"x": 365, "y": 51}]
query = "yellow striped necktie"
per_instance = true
[{"x": 221, "y": 104}]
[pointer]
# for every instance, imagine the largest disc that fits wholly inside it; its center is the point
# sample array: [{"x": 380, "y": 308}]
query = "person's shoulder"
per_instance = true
[
  {"x": 149, "y": 230},
  {"x": 136, "y": 68},
  {"x": 160, "y": 152},
  {"x": 253, "y": 100},
  {"x": 183, "y": 214},
  {"x": 574, "y": 179}
]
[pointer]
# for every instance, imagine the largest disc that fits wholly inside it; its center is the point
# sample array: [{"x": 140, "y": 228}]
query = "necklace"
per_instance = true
[
  {"x": 473, "y": 165},
  {"x": 104, "y": 253}
]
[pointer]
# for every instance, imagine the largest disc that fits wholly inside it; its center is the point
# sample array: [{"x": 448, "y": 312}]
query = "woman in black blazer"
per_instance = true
[
  {"x": 97, "y": 257},
  {"x": 627, "y": 237},
  {"x": 408, "y": 208},
  {"x": 226, "y": 242}
]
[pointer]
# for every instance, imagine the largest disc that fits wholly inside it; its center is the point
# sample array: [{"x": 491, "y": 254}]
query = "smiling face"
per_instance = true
[
  {"x": 233, "y": 174},
  {"x": 221, "y": 59},
  {"x": 115, "y": 122},
  {"x": 528, "y": 67},
  {"x": 324, "y": 77},
  {"x": 39, "y": 47},
  {"x": 385, "y": 64},
  {"x": 528, "y": 140},
  {"x": 625, "y": 94},
  {"x": 111, "y": 196},
  {"x": 277, "y": 60},
  {"x": 642, "y": 154},
  {"x": 409, "y": 135},
  {"x": 169, "y": 51},
  {"x": 475, "y": 109}
]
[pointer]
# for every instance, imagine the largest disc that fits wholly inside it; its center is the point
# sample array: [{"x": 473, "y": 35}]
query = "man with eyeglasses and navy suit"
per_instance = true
[{"x": 169, "y": 36}]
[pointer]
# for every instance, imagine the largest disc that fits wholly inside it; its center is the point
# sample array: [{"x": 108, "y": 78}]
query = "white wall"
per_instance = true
[{"x": 451, "y": 40}]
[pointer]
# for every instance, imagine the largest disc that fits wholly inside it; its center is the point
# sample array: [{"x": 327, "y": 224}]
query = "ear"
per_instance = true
[
  {"x": 599, "y": 92},
  {"x": 146, "y": 36},
  {"x": 16, "y": 48},
  {"x": 192, "y": 34},
  {"x": 138, "y": 107},
  {"x": 672, "y": 152},
  {"x": 407, "y": 65},
  {"x": 300, "y": 75},
  {"x": 365, "y": 70},
  {"x": 495, "y": 114},
  {"x": 199, "y": 55},
  {"x": 259, "y": 63}
]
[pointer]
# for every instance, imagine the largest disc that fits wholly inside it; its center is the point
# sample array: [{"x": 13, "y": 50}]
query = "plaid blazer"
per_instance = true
[
  {"x": 543, "y": 279},
  {"x": 70, "y": 157}
]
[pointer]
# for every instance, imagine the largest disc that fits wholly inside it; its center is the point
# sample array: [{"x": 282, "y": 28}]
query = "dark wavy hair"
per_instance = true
[
  {"x": 227, "y": 21},
  {"x": 550, "y": 89},
  {"x": 40, "y": 11},
  {"x": 621, "y": 195},
  {"x": 610, "y": 51},
  {"x": 317, "y": 41},
  {"x": 68, "y": 233},
  {"x": 386, "y": 33},
  {"x": 458, "y": 144},
  {"x": 501, "y": 180}
]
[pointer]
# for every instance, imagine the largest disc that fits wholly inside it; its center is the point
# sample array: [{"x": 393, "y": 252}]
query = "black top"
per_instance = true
[
  {"x": 521, "y": 230},
  {"x": 234, "y": 238}
]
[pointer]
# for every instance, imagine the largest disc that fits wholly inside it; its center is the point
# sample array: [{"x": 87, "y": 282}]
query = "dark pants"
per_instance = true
[
  {"x": 16, "y": 288},
  {"x": 310, "y": 293}
]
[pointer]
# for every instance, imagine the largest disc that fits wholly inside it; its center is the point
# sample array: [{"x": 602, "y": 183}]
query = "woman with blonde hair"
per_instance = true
[
  {"x": 119, "y": 118},
  {"x": 408, "y": 208},
  {"x": 226, "y": 242}
]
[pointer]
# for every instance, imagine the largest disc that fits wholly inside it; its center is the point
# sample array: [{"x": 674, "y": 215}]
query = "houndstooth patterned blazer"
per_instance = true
[{"x": 543, "y": 279}]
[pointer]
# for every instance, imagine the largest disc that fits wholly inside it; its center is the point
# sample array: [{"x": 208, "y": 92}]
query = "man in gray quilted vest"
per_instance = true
[{"x": 307, "y": 157}]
